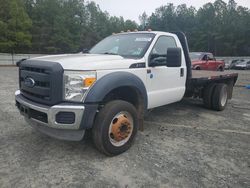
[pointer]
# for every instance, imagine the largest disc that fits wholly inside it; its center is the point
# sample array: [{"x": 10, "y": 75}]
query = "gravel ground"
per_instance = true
[{"x": 183, "y": 145}]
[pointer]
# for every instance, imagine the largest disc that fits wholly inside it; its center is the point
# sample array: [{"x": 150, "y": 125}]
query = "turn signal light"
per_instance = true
[{"x": 89, "y": 81}]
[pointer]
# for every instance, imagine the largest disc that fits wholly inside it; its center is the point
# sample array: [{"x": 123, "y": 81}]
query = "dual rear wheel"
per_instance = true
[{"x": 215, "y": 96}]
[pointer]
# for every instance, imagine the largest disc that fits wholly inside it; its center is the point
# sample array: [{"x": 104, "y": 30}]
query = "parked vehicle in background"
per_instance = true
[
  {"x": 235, "y": 62},
  {"x": 242, "y": 65},
  {"x": 227, "y": 64},
  {"x": 206, "y": 61}
]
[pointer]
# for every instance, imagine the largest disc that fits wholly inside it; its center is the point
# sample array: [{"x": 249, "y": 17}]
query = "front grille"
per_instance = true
[
  {"x": 31, "y": 69},
  {"x": 41, "y": 89},
  {"x": 47, "y": 76}
]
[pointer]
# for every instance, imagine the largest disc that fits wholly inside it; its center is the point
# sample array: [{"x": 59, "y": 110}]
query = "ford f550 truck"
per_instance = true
[{"x": 108, "y": 90}]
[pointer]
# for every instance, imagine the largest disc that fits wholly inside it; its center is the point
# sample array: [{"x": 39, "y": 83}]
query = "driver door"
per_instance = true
[
  {"x": 212, "y": 62},
  {"x": 165, "y": 84}
]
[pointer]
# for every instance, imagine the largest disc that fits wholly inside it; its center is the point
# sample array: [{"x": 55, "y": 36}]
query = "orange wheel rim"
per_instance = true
[{"x": 121, "y": 128}]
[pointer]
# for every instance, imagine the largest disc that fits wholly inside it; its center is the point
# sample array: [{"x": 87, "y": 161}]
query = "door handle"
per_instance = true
[{"x": 182, "y": 72}]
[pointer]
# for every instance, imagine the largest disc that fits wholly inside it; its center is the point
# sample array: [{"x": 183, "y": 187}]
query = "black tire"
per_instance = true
[
  {"x": 207, "y": 96},
  {"x": 103, "y": 121},
  {"x": 197, "y": 68},
  {"x": 221, "y": 69},
  {"x": 220, "y": 97}
]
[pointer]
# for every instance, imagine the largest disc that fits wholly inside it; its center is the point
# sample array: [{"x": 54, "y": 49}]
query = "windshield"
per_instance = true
[
  {"x": 195, "y": 56},
  {"x": 132, "y": 45}
]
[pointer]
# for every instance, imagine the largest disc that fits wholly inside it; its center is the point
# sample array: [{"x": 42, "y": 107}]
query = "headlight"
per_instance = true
[{"x": 77, "y": 83}]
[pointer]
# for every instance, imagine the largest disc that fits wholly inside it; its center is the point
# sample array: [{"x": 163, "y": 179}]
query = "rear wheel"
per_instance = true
[
  {"x": 207, "y": 95},
  {"x": 115, "y": 127},
  {"x": 220, "y": 97}
]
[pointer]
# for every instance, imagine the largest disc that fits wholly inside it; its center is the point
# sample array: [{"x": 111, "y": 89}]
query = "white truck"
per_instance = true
[{"x": 108, "y": 90}]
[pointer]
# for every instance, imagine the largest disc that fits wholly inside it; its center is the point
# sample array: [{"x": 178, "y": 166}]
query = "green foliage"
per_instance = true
[
  {"x": 58, "y": 26},
  {"x": 14, "y": 26},
  {"x": 144, "y": 21},
  {"x": 65, "y": 26},
  {"x": 218, "y": 27}
]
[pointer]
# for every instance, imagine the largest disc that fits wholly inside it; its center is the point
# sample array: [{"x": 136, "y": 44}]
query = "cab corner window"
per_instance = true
[{"x": 158, "y": 56}]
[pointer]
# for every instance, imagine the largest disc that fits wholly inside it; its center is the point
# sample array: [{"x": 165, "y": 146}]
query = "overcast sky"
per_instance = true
[{"x": 131, "y": 9}]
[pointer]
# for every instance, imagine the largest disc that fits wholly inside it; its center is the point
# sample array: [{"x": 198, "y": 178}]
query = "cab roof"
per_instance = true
[{"x": 146, "y": 32}]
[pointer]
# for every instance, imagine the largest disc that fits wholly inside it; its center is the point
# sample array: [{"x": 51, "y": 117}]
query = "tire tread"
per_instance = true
[{"x": 102, "y": 120}]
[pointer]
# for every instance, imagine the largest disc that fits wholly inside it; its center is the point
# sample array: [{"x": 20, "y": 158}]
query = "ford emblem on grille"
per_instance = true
[{"x": 29, "y": 82}]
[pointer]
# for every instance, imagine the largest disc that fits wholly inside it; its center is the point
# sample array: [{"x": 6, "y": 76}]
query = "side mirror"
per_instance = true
[{"x": 174, "y": 57}]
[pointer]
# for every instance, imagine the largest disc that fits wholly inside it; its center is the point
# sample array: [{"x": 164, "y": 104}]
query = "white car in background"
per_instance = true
[
  {"x": 235, "y": 62},
  {"x": 243, "y": 65}
]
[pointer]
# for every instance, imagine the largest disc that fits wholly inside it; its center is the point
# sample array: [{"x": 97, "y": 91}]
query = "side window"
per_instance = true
[
  {"x": 159, "y": 52},
  {"x": 204, "y": 58},
  {"x": 210, "y": 57}
]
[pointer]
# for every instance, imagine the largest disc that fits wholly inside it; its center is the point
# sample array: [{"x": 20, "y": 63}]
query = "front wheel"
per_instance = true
[
  {"x": 197, "y": 68},
  {"x": 115, "y": 127}
]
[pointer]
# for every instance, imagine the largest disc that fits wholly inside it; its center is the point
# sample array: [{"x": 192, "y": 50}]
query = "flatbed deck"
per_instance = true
[
  {"x": 196, "y": 74},
  {"x": 201, "y": 77}
]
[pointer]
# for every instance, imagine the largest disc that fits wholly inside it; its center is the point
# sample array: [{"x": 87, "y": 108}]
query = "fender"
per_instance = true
[{"x": 115, "y": 80}]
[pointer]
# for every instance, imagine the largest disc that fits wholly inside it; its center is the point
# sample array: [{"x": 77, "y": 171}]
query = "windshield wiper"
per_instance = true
[{"x": 110, "y": 53}]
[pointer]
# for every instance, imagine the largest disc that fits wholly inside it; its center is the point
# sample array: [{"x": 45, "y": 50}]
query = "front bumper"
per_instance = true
[{"x": 45, "y": 118}]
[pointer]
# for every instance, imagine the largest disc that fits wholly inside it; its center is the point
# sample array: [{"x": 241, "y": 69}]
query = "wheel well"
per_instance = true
[
  {"x": 131, "y": 95},
  {"x": 126, "y": 93},
  {"x": 198, "y": 68}
]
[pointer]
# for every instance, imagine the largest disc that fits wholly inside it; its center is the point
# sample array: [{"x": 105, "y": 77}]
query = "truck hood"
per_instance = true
[{"x": 89, "y": 61}]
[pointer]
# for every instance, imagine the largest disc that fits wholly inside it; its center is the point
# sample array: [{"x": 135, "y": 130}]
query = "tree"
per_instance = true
[
  {"x": 143, "y": 20},
  {"x": 70, "y": 25},
  {"x": 216, "y": 27},
  {"x": 14, "y": 27},
  {"x": 65, "y": 26}
]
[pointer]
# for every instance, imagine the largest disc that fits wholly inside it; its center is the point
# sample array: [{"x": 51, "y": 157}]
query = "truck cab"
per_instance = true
[{"x": 108, "y": 90}]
